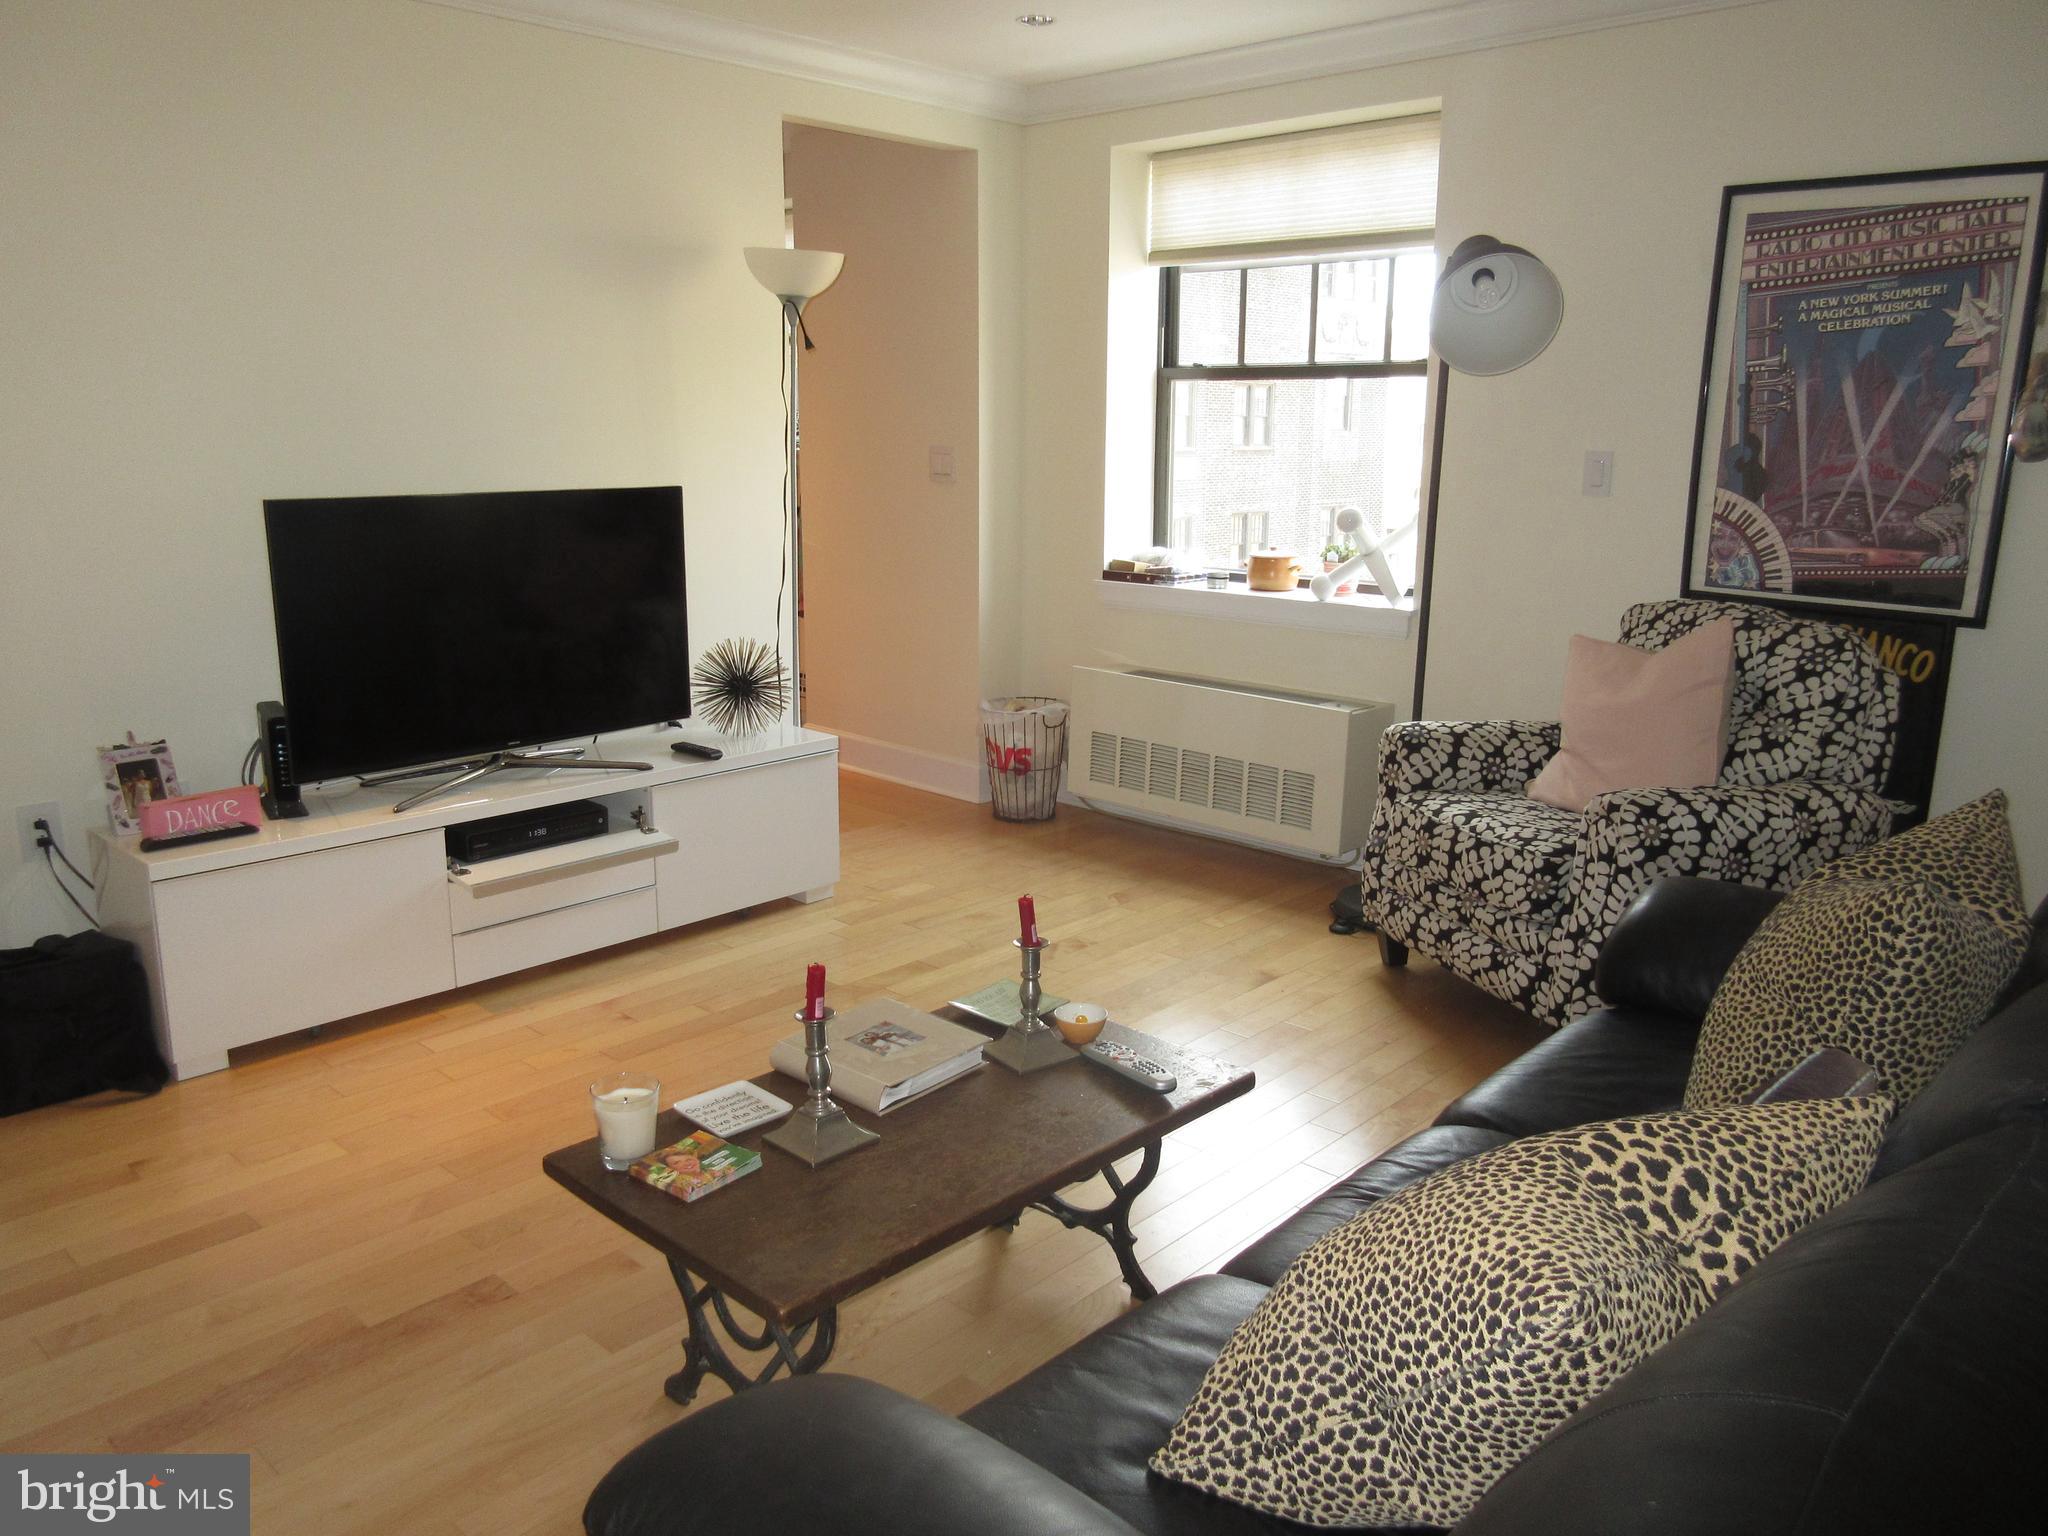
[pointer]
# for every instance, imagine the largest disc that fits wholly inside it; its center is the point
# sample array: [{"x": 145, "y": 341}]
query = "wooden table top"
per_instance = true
[{"x": 789, "y": 1241}]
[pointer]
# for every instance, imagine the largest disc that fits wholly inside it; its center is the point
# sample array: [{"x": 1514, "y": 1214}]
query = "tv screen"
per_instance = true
[{"x": 415, "y": 629}]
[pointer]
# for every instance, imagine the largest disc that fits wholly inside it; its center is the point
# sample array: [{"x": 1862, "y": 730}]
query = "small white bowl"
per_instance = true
[{"x": 1079, "y": 1023}]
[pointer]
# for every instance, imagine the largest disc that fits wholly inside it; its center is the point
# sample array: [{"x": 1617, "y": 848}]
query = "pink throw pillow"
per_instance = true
[{"x": 1641, "y": 719}]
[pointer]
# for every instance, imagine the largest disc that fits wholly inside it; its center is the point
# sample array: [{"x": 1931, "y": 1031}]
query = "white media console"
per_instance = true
[{"x": 353, "y": 907}]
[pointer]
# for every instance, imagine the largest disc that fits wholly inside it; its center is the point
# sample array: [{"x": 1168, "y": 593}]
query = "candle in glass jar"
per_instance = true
[{"x": 626, "y": 1107}]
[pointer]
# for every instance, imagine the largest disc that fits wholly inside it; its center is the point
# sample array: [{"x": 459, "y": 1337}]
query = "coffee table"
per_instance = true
[{"x": 789, "y": 1242}]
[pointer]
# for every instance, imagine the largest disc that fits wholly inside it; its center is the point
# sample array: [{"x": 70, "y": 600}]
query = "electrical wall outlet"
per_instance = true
[{"x": 25, "y": 819}]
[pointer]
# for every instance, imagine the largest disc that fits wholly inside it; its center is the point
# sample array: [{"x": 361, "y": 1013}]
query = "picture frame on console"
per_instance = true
[
  {"x": 133, "y": 772},
  {"x": 1866, "y": 340}
]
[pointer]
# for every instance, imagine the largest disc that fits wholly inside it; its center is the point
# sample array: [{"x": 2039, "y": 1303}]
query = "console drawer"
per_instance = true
[
  {"x": 513, "y": 946},
  {"x": 474, "y": 907}
]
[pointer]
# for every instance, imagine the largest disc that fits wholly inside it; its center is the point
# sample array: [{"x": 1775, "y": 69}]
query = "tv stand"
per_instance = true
[
  {"x": 356, "y": 907},
  {"x": 470, "y": 769}
]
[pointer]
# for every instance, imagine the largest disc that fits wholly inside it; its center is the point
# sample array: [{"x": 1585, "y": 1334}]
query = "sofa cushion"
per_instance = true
[
  {"x": 1092, "y": 1414},
  {"x": 1636, "y": 719},
  {"x": 1619, "y": 1061},
  {"x": 1881, "y": 1373},
  {"x": 1893, "y": 954},
  {"x": 827, "y": 1455},
  {"x": 1422, "y": 1154},
  {"x": 1511, "y": 853},
  {"x": 1999, "y": 1076},
  {"x": 1675, "y": 943},
  {"x": 1412, "y": 1355}
]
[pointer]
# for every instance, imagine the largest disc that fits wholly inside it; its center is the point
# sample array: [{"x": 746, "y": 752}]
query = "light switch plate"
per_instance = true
[
  {"x": 941, "y": 460},
  {"x": 1599, "y": 476}
]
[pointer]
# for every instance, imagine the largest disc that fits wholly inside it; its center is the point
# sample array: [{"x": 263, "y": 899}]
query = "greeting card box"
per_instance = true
[{"x": 201, "y": 813}]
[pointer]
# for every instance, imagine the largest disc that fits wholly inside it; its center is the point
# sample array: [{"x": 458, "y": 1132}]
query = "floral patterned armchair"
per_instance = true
[{"x": 1517, "y": 896}]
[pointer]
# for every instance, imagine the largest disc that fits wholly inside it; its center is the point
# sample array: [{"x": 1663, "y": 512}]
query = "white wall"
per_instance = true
[
  {"x": 1606, "y": 154},
  {"x": 892, "y": 558},
  {"x": 264, "y": 248}
]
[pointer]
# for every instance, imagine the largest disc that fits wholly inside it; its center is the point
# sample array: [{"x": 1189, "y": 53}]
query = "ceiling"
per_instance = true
[
  {"x": 983, "y": 37},
  {"x": 1097, "y": 56}
]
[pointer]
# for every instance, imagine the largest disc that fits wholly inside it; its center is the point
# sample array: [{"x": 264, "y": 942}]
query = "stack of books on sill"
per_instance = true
[{"x": 1150, "y": 575}]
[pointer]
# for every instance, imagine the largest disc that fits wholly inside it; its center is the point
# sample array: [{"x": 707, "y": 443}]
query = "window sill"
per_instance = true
[{"x": 1288, "y": 610}]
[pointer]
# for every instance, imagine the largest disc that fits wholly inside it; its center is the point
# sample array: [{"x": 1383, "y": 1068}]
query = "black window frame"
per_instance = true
[{"x": 1170, "y": 373}]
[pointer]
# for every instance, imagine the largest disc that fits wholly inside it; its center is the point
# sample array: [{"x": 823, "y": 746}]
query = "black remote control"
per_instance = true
[
  {"x": 696, "y": 749},
  {"x": 210, "y": 835}
]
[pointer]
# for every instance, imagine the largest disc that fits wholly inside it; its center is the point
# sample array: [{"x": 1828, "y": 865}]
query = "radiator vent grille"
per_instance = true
[
  {"x": 1130, "y": 763},
  {"x": 1256, "y": 791},
  {"x": 1165, "y": 768},
  {"x": 1226, "y": 792},
  {"x": 1101, "y": 758},
  {"x": 1272, "y": 768},
  {"x": 1297, "y": 799},
  {"x": 1262, "y": 792}
]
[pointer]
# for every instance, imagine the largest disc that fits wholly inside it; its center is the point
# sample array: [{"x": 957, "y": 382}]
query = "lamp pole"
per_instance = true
[{"x": 794, "y": 277}]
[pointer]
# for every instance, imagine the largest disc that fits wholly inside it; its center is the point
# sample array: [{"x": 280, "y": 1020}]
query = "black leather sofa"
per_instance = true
[{"x": 1884, "y": 1370}]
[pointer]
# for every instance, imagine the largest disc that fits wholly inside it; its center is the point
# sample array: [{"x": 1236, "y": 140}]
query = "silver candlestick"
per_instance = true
[
  {"x": 1030, "y": 1043},
  {"x": 820, "y": 1130}
]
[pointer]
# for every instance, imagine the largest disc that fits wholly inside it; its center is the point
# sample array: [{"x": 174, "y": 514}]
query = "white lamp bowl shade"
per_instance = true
[
  {"x": 1496, "y": 307},
  {"x": 791, "y": 274}
]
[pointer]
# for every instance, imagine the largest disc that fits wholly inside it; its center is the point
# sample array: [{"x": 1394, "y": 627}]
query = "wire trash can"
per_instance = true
[{"x": 1025, "y": 739}]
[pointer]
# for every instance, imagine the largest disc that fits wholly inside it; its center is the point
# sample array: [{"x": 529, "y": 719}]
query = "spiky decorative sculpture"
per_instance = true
[{"x": 742, "y": 686}]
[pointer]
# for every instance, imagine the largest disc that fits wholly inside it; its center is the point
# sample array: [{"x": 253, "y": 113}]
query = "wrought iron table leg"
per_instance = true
[
  {"x": 1112, "y": 1222},
  {"x": 802, "y": 1349}
]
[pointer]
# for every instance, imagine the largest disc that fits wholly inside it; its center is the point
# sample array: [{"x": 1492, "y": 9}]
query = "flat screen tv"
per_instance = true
[{"x": 420, "y": 629}]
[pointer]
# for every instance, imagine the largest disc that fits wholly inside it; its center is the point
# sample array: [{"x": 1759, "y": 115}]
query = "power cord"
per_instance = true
[
  {"x": 48, "y": 844},
  {"x": 250, "y": 759}
]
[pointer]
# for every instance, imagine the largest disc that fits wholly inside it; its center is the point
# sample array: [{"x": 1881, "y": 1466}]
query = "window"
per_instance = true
[
  {"x": 1294, "y": 321},
  {"x": 1247, "y": 533},
  {"x": 1320, "y": 365},
  {"x": 1254, "y": 415}
]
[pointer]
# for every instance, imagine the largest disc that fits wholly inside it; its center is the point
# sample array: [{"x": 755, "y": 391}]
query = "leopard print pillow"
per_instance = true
[
  {"x": 1893, "y": 954},
  {"x": 1412, "y": 1356}
]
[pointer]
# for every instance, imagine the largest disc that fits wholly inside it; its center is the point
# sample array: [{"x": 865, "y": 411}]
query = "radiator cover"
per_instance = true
[{"x": 1288, "y": 769}]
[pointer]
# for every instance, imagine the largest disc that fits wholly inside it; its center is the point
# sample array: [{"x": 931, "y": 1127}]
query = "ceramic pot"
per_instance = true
[{"x": 1273, "y": 570}]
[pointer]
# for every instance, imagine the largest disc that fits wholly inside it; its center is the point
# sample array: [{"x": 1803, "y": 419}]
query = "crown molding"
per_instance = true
[
  {"x": 1283, "y": 61},
  {"x": 1341, "y": 50},
  {"x": 653, "y": 25}
]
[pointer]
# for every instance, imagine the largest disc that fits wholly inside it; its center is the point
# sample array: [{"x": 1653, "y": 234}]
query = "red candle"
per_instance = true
[
  {"x": 1027, "y": 921},
  {"x": 814, "y": 991}
]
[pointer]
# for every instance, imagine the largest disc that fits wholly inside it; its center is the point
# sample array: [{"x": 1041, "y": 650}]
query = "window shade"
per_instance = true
[{"x": 1363, "y": 186}]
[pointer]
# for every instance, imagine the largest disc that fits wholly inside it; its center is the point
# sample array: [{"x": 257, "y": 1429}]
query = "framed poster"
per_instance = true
[{"x": 1865, "y": 344}]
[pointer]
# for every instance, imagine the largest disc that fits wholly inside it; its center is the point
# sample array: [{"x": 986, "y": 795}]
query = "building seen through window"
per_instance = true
[{"x": 1290, "y": 390}]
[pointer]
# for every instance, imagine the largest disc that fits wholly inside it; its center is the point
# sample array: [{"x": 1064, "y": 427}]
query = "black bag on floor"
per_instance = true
[{"x": 74, "y": 1019}]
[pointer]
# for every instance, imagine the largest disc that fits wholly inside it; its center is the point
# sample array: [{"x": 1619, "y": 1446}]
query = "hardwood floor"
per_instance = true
[{"x": 342, "y": 1257}]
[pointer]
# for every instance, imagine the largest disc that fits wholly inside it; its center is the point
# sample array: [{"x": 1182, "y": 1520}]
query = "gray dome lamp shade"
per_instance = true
[
  {"x": 1496, "y": 307},
  {"x": 793, "y": 276}
]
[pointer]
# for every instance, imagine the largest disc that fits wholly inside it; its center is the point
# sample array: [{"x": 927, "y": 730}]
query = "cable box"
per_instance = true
[{"x": 523, "y": 831}]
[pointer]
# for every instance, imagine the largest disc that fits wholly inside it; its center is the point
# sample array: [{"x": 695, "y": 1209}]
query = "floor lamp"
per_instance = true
[
  {"x": 1496, "y": 307},
  {"x": 795, "y": 278}
]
